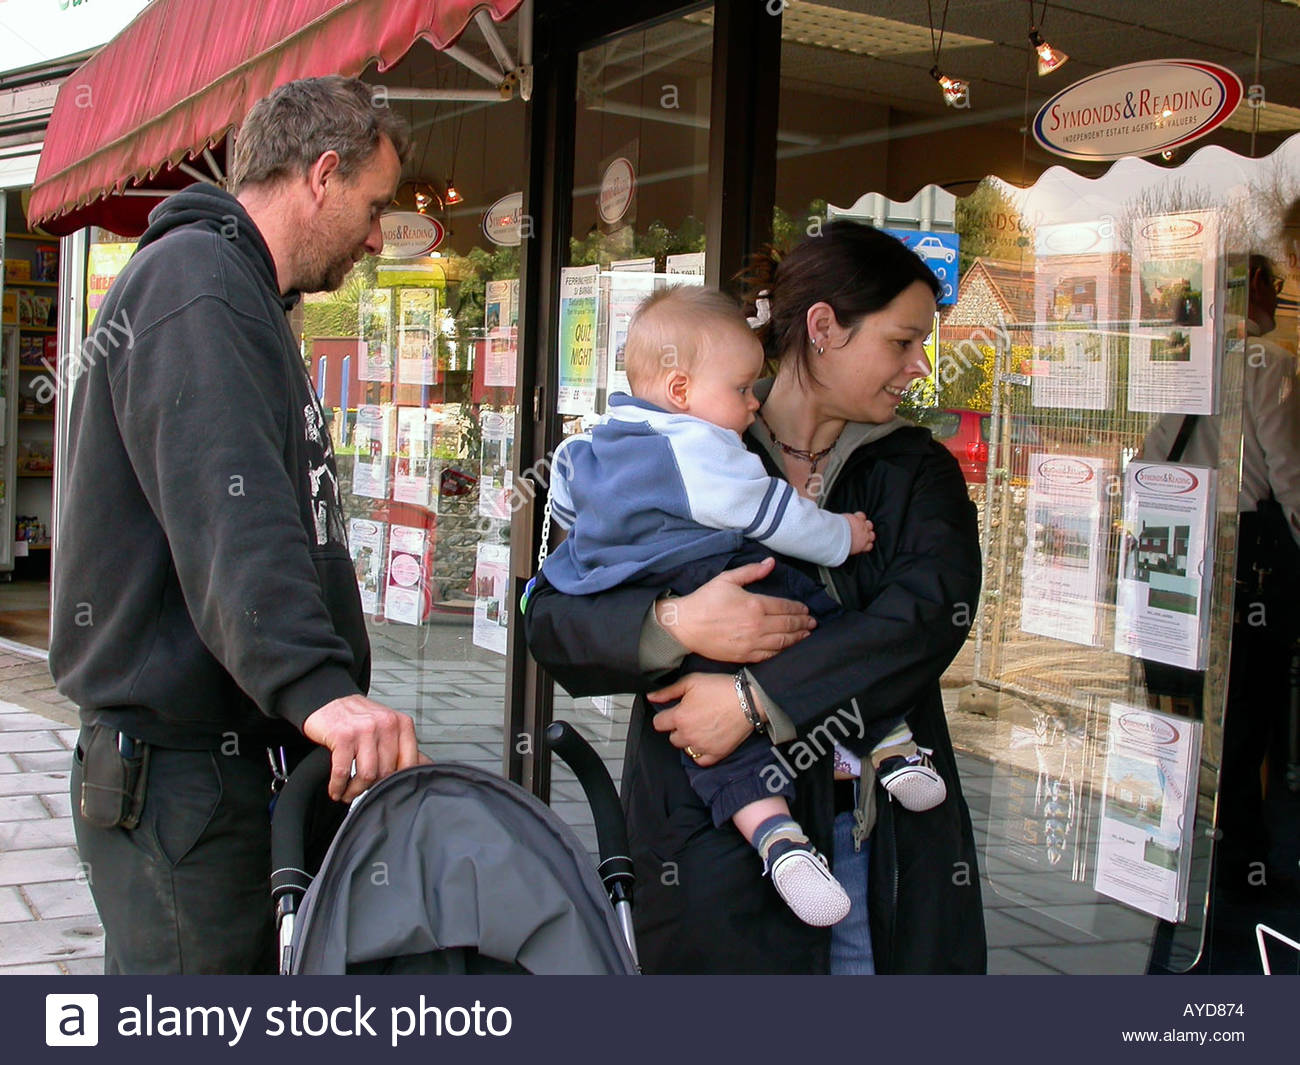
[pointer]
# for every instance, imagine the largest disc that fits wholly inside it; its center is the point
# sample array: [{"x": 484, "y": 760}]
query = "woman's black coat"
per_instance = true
[{"x": 702, "y": 904}]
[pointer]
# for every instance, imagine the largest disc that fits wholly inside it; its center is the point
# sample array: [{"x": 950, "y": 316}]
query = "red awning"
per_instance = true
[{"x": 185, "y": 72}]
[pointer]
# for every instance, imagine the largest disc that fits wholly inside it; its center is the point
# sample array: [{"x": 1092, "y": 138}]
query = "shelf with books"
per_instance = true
[{"x": 29, "y": 282}]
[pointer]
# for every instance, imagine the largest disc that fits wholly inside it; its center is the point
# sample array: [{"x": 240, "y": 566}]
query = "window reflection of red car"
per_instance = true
[{"x": 968, "y": 434}]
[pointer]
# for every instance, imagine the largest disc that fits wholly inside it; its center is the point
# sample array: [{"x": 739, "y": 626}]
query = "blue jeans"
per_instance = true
[{"x": 851, "y": 938}]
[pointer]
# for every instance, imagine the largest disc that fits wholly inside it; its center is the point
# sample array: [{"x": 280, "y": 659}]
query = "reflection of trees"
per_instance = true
[
  {"x": 1169, "y": 197},
  {"x": 334, "y": 314},
  {"x": 656, "y": 242},
  {"x": 337, "y": 314},
  {"x": 1273, "y": 190},
  {"x": 789, "y": 229},
  {"x": 966, "y": 374},
  {"x": 475, "y": 270},
  {"x": 991, "y": 226},
  {"x": 1251, "y": 214}
]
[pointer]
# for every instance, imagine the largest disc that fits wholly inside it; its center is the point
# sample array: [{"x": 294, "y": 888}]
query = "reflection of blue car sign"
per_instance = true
[
  {"x": 933, "y": 248},
  {"x": 939, "y": 252}
]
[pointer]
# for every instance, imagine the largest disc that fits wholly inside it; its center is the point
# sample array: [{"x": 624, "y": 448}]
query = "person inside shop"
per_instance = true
[
  {"x": 206, "y": 618},
  {"x": 1256, "y": 851},
  {"x": 829, "y": 427},
  {"x": 664, "y": 490}
]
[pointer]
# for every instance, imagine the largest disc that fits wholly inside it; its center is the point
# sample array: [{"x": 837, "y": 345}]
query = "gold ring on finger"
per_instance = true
[{"x": 691, "y": 752}]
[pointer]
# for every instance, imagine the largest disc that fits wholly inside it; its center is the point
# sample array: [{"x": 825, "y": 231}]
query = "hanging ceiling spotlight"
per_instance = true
[
  {"x": 452, "y": 195},
  {"x": 956, "y": 91},
  {"x": 417, "y": 195},
  {"x": 1049, "y": 58},
  {"x": 425, "y": 197}
]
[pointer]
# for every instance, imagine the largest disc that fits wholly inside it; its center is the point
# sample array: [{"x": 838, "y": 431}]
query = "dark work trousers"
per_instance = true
[
  {"x": 189, "y": 889},
  {"x": 752, "y": 771},
  {"x": 1258, "y": 837},
  {"x": 1256, "y": 722}
]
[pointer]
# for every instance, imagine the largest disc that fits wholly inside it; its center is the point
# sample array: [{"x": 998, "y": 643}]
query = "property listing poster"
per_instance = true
[
  {"x": 375, "y": 327},
  {"x": 577, "y": 342},
  {"x": 686, "y": 266},
  {"x": 491, "y": 597},
  {"x": 1147, "y": 810},
  {"x": 1166, "y": 561},
  {"x": 371, "y": 435},
  {"x": 1064, "y": 563},
  {"x": 1172, "y": 365},
  {"x": 627, "y": 288},
  {"x": 366, "y": 542},
  {"x": 404, "y": 590},
  {"x": 495, "y": 483},
  {"x": 501, "y": 326},
  {"x": 1076, "y": 315},
  {"x": 413, "y": 466},
  {"x": 417, "y": 337}
]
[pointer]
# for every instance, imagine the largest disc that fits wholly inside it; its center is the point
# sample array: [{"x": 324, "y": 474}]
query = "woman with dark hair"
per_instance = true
[{"x": 847, "y": 314}]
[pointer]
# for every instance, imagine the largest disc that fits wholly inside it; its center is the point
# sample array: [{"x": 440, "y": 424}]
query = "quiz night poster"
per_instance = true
[{"x": 577, "y": 347}]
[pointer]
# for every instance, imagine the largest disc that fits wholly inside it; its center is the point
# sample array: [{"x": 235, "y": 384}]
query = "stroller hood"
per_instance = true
[{"x": 449, "y": 869}]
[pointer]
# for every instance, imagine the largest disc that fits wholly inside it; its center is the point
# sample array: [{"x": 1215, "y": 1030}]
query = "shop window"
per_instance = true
[
  {"x": 29, "y": 292},
  {"x": 415, "y": 361},
  {"x": 1088, "y": 307}
]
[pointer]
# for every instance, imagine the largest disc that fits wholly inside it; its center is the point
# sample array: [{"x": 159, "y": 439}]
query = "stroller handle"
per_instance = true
[
  {"x": 305, "y": 787},
  {"x": 611, "y": 828}
]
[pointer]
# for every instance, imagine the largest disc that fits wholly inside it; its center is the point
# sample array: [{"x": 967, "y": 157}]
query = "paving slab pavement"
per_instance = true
[{"x": 48, "y": 924}]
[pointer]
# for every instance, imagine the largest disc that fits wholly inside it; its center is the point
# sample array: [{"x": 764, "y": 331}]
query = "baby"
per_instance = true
[{"x": 663, "y": 492}]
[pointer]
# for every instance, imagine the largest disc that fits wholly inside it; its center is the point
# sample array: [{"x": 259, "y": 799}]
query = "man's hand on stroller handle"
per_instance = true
[{"x": 358, "y": 730}]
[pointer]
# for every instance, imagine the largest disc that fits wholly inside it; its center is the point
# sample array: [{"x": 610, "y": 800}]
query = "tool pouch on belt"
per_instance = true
[{"x": 114, "y": 771}]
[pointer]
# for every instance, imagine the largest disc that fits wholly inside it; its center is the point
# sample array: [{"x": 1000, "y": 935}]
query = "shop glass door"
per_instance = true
[{"x": 639, "y": 203}]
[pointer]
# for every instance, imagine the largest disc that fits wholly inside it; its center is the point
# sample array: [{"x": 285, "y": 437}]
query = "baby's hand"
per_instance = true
[{"x": 861, "y": 532}]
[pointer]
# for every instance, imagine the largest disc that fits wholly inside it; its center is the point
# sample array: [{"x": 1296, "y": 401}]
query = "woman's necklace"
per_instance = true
[{"x": 810, "y": 457}]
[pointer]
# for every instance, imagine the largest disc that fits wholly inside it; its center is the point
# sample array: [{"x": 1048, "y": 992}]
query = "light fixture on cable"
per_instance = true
[
  {"x": 1049, "y": 58},
  {"x": 426, "y": 196},
  {"x": 956, "y": 91},
  {"x": 452, "y": 195}
]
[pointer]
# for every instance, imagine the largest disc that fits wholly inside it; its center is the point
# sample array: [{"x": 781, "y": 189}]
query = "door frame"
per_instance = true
[{"x": 742, "y": 172}]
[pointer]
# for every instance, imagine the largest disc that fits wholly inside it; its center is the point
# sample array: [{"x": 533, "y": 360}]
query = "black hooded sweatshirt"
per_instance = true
[{"x": 202, "y": 582}]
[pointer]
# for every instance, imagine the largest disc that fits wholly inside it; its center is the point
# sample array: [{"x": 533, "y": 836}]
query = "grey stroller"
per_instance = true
[{"x": 446, "y": 869}]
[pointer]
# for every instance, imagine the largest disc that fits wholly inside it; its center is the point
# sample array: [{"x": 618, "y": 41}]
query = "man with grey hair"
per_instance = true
[{"x": 205, "y": 611}]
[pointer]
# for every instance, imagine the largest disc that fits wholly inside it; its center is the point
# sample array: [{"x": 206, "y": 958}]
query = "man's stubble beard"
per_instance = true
[
  {"x": 322, "y": 276},
  {"x": 318, "y": 272}
]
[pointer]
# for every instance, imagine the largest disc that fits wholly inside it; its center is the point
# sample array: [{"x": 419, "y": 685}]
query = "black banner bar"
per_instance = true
[{"x": 662, "y": 1020}]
